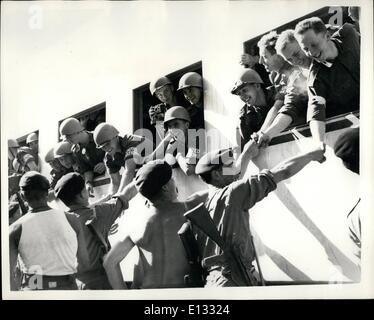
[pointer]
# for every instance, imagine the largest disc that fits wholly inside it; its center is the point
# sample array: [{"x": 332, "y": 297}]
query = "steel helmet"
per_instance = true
[
  {"x": 103, "y": 133},
  {"x": 247, "y": 76},
  {"x": 62, "y": 148},
  {"x": 49, "y": 156},
  {"x": 158, "y": 83},
  {"x": 70, "y": 126},
  {"x": 190, "y": 79},
  {"x": 176, "y": 112},
  {"x": 31, "y": 137},
  {"x": 13, "y": 143}
]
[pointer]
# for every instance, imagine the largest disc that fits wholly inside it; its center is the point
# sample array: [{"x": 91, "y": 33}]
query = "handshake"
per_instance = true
[{"x": 261, "y": 138}]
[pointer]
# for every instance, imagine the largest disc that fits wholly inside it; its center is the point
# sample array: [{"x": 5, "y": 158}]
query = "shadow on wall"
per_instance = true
[
  {"x": 281, "y": 262},
  {"x": 291, "y": 203}
]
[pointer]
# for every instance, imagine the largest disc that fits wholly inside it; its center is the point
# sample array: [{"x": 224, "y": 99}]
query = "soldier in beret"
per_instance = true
[
  {"x": 154, "y": 230},
  {"x": 94, "y": 223},
  {"x": 228, "y": 203}
]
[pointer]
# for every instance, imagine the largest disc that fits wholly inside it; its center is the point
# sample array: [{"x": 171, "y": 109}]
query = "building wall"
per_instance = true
[{"x": 86, "y": 53}]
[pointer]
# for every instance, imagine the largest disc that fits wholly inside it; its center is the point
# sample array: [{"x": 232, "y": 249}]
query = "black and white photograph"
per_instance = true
[{"x": 187, "y": 150}]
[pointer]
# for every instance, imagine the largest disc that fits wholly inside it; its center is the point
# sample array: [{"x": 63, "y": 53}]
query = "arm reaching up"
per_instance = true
[{"x": 290, "y": 167}]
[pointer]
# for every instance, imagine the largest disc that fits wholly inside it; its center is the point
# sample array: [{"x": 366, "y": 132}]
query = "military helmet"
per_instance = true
[
  {"x": 158, "y": 83},
  {"x": 62, "y": 148},
  {"x": 13, "y": 143},
  {"x": 31, "y": 137},
  {"x": 103, "y": 133},
  {"x": 177, "y": 112},
  {"x": 190, "y": 79},
  {"x": 49, "y": 156},
  {"x": 70, "y": 126},
  {"x": 247, "y": 76}
]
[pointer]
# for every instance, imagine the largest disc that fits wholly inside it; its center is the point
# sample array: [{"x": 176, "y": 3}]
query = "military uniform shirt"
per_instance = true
[
  {"x": 103, "y": 215},
  {"x": 128, "y": 143},
  {"x": 334, "y": 88},
  {"x": 87, "y": 156},
  {"x": 229, "y": 207}
]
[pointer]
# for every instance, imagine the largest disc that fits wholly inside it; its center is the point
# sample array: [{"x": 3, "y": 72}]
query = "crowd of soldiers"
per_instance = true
[{"x": 193, "y": 228}]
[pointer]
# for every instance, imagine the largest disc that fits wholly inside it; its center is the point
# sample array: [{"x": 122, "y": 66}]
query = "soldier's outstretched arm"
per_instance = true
[
  {"x": 115, "y": 180},
  {"x": 128, "y": 174},
  {"x": 112, "y": 262},
  {"x": 250, "y": 151},
  {"x": 290, "y": 167},
  {"x": 128, "y": 192}
]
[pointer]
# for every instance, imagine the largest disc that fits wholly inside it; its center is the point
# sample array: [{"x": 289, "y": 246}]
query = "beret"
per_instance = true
[
  {"x": 214, "y": 159},
  {"x": 69, "y": 185},
  {"x": 33, "y": 180},
  {"x": 152, "y": 177},
  {"x": 347, "y": 148}
]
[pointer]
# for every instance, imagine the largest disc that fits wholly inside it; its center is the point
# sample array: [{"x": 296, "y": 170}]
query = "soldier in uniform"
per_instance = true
[
  {"x": 64, "y": 155},
  {"x": 13, "y": 146},
  {"x": 294, "y": 107},
  {"x": 183, "y": 152},
  {"x": 162, "y": 88},
  {"x": 21, "y": 158},
  {"x": 228, "y": 203},
  {"x": 191, "y": 83},
  {"x": 334, "y": 76},
  {"x": 253, "y": 113},
  {"x": 58, "y": 170},
  {"x": 119, "y": 152},
  {"x": 94, "y": 222},
  {"x": 32, "y": 142},
  {"x": 281, "y": 72},
  {"x": 88, "y": 157},
  {"x": 153, "y": 230}
]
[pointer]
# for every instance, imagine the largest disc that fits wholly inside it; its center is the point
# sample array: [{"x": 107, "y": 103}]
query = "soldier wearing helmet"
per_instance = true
[
  {"x": 161, "y": 88},
  {"x": 32, "y": 142},
  {"x": 119, "y": 152},
  {"x": 89, "y": 159},
  {"x": 58, "y": 170},
  {"x": 252, "y": 115},
  {"x": 180, "y": 152},
  {"x": 12, "y": 153},
  {"x": 20, "y": 159},
  {"x": 191, "y": 83}
]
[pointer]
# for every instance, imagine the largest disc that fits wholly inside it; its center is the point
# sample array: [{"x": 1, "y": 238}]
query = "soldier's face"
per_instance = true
[
  {"x": 248, "y": 93},
  {"x": 177, "y": 124},
  {"x": 110, "y": 146},
  {"x": 192, "y": 95},
  {"x": 270, "y": 62},
  {"x": 165, "y": 94},
  {"x": 295, "y": 55},
  {"x": 73, "y": 138},
  {"x": 66, "y": 161},
  {"x": 315, "y": 45},
  {"x": 34, "y": 146}
]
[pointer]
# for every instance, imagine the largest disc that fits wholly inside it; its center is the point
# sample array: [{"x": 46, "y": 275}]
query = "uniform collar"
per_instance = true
[{"x": 77, "y": 207}]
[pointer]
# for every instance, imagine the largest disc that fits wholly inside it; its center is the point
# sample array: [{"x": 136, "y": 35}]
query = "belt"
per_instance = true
[{"x": 46, "y": 281}]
